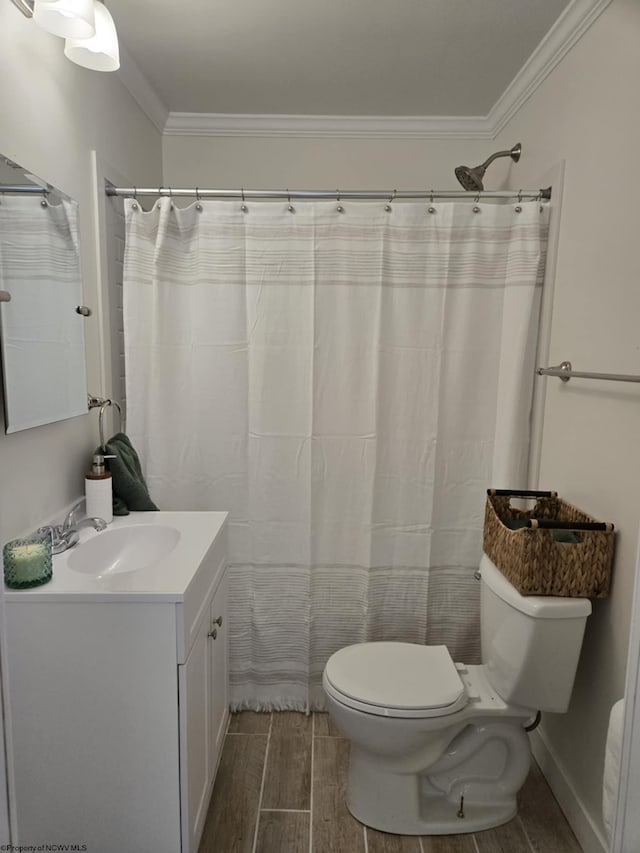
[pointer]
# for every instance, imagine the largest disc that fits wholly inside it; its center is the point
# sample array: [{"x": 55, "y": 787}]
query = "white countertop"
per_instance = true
[{"x": 166, "y": 580}]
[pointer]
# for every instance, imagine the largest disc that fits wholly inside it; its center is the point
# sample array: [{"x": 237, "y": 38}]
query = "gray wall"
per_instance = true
[
  {"x": 584, "y": 114},
  {"x": 54, "y": 114}
]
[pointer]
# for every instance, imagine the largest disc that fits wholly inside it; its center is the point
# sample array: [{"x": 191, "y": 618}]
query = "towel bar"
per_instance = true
[{"x": 565, "y": 372}]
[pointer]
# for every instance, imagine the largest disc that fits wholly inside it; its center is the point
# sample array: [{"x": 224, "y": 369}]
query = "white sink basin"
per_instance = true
[{"x": 124, "y": 549}]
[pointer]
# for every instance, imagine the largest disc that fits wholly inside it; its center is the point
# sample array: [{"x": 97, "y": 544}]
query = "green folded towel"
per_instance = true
[
  {"x": 130, "y": 493},
  {"x": 566, "y": 536},
  {"x": 515, "y": 523},
  {"x": 556, "y": 535}
]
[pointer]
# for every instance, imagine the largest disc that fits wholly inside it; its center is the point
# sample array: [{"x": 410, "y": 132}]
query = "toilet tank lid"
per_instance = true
[
  {"x": 538, "y": 606},
  {"x": 393, "y": 675}
]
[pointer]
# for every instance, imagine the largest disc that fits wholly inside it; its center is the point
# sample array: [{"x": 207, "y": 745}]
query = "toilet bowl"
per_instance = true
[{"x": 439, "y": 747}]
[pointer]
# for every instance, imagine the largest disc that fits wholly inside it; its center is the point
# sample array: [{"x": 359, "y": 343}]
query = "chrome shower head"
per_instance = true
[{"x": 471, "y": 178}]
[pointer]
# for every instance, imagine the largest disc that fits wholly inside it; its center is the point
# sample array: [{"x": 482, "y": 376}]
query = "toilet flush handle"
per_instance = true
[{"x": 477, "y": 574}]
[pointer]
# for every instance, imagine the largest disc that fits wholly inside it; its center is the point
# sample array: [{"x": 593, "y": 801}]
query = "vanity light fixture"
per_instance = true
[
  {"x": 87, "y": 25},
  {"x": 101, "y": 52},
  {"x": 66, "y": 18}
]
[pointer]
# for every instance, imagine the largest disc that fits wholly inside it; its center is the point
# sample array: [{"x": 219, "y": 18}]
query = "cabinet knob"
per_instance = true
[
  {"x": 213, "y": 633},
  {"x": 218, "y": 621}
]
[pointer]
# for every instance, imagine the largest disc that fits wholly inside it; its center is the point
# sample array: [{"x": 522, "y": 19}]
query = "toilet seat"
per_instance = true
[{"x": 395, "y": 680}]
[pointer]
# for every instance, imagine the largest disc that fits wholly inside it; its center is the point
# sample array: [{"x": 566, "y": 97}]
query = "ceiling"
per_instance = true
[{"x": 333, "y": 57}]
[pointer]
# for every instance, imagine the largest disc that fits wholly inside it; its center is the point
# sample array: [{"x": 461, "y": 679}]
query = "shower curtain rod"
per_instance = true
[
  {"x": 22, "y": 188},
  {"x": 338, "y": 195}
]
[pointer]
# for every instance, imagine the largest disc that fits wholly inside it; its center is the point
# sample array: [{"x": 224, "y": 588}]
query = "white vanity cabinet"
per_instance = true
[{"x": 118, "y": 700}]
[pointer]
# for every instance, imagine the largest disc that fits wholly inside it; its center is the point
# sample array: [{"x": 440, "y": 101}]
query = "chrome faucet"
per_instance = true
[
  {"x": 65, "y": 535},
  {"x": 70, "y": 524}
]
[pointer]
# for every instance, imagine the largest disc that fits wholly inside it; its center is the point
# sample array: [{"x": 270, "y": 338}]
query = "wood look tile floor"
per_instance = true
[{"x": 281, "y": 786}]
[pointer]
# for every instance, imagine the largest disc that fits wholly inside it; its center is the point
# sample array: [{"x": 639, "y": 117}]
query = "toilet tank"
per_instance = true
[{"x": 530, "y": 643}]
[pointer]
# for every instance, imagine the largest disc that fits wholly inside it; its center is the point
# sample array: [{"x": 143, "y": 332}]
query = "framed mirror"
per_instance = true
[{"x": 41, "y": 310}]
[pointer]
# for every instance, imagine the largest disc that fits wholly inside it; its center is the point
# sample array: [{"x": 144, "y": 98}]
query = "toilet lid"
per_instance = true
[{"x": 396, "y": 679}]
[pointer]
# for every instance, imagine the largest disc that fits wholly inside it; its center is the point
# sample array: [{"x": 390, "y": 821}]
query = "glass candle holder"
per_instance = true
[{"x": 28, "y": 562}]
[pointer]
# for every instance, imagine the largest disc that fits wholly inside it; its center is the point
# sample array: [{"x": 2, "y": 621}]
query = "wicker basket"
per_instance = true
[{"x": 535, "y": 559}]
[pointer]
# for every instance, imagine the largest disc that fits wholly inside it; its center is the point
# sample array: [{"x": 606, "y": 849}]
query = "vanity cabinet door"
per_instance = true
[
  {"x": 219, "y": 672},
  {"x": 204, "y": 710},
  {"x": 194, "y": 679}
]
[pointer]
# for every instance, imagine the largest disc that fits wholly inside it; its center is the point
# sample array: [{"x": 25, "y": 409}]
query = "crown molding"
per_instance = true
[
  {"x": 568, "y": 29},
  {"x": 372, "y": 127},
  {"x": 141, "y": 90}
]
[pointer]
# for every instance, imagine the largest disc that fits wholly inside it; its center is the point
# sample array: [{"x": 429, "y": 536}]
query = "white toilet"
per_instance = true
[{"x": 439, "y": 747}]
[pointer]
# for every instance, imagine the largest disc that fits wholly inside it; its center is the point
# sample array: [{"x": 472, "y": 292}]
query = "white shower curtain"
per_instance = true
[{"x": 346, "y": 385}]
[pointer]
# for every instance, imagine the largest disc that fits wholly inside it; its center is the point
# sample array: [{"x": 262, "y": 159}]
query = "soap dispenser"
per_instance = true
[{"x": 98, "y": 490}]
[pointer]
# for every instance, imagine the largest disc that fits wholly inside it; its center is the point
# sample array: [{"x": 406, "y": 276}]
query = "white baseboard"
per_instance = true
[{"x": 589, "y": 835}]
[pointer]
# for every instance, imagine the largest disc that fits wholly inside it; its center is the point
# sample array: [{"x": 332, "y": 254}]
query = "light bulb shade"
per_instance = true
[
  {"x": 100, "y": 53},
  {"x": 66, "y": 18}
]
